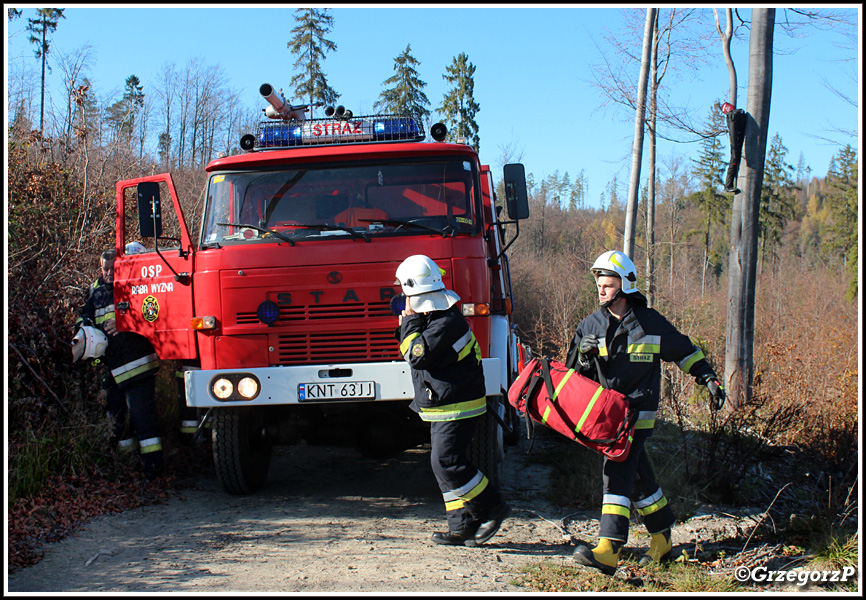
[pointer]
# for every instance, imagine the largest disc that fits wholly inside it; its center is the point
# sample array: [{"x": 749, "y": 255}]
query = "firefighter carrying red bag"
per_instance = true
[
  {"x": 579, "y": 408},
  {"x": 621, "y": 345}
]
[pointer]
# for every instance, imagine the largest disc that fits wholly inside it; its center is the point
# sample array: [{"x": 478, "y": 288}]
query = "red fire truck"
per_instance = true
[{"x": 279, "y": 311}]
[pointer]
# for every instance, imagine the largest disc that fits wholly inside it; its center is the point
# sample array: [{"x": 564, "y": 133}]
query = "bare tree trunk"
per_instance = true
[
  {"x": 637, "y": 146},
  {"x": 740, "y": 332},
  {"x": 651, "y": 180},
  {"x": 42, "y": 98},
  {"x": 726, "y": 51}
]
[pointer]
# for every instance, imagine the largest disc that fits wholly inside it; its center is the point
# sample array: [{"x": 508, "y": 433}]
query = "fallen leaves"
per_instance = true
[{"x": 64, "y": 504}]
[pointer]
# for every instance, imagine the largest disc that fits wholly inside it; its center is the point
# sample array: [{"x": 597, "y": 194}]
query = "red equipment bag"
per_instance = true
[{"x": 577, "y": 407}]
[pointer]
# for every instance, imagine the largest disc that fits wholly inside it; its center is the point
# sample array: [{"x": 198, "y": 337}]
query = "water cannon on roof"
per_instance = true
[{"x": 279, "y": 108}]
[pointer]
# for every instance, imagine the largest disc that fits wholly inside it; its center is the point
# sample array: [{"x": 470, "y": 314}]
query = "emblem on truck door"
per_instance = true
[
  {"x": 335, "y": 277},
  {"x": 150, "y": 309}
]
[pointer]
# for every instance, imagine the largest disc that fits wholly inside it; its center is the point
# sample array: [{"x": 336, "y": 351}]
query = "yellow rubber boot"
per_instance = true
[
  {"x": 660, "y": 548},
  {"x": 604, "y": 557}
]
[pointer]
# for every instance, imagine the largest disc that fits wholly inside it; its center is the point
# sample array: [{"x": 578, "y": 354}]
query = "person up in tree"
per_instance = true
[{"x": 736, "y": 119}]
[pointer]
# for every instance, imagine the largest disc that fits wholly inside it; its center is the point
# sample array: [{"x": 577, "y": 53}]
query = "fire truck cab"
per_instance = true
[{"x": 279, "y": 312}]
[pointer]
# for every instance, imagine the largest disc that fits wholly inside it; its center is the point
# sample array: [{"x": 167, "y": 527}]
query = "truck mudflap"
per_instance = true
[{"x": 313, "y": 384}]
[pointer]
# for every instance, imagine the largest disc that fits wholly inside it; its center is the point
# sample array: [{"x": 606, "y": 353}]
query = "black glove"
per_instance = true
[
  {"x": 717, "y": 393},
  {"x": 588, "y": 348}
]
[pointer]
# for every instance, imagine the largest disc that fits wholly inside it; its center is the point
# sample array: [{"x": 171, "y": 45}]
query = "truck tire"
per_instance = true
[
  {"x": 241, "y": 450},
  {"x": 487, "y": 449}
]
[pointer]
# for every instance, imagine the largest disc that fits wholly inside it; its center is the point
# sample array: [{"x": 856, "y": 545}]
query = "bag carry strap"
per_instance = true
[
  {"x": 627, "y": 423},
  {"x": 601, "y": 378},
  {"x": 529, "y": 388}
]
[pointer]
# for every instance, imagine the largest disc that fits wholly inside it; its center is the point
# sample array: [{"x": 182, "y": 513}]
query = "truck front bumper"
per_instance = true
[{"x": 283, "y": 385}]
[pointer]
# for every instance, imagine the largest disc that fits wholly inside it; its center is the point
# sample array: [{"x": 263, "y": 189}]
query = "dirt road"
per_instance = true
[{"x": 327, "y": 521}]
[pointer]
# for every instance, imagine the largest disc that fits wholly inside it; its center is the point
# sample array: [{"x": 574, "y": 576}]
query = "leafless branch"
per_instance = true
[{"x": 36, "y": 375}]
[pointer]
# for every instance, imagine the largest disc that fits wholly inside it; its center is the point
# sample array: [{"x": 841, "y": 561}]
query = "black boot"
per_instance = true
[
  {"x": 489, "y": 528},
  {"x": 452, "y": 538}
]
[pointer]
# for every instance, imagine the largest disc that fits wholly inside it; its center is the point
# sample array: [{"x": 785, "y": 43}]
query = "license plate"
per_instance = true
[{"x": 347, "y": 390}]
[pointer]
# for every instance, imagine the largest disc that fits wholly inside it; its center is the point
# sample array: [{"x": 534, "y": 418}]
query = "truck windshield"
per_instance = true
[{"x": 337, "y": 202}]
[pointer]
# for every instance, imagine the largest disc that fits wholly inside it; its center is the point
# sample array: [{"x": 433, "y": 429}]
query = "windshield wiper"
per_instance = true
[
  {"x": 260, "y": 230},
  {"x": 323, "y": 227},
  {"x": 445, "y": 231}
]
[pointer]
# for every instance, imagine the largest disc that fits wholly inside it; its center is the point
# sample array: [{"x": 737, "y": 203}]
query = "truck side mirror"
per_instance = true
[
  {"x": 149, "y": 209},
  {"x": 516, "y": 199}
]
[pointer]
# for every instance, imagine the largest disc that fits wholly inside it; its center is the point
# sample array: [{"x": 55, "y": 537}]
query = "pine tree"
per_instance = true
[
  {"x": 39, "y": 30},
  {"x": 405, "y": 96},
  {"x": 458, "y": 105},
  {"x": 578, "y": 193},
  {"x": 778, "y": 196},
  {"x": 309, "y": 47},
  {"x": 122, "y": 114},
  {"x": 709, "y": 170},
  {"x": 842, "y": 237}
]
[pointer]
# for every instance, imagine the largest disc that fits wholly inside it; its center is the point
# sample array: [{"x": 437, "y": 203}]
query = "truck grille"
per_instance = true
[
  {"x": 321, "y": 312},
  {"x": 333, "y": 347},
  {"x": 345, "y": 340}
]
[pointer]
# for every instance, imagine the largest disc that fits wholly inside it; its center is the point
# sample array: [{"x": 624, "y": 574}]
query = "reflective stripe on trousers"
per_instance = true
[{"x": 456, "y": 411}]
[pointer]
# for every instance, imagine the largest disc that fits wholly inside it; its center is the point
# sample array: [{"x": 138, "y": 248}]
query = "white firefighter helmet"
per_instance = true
[
  {"x": 89, "y": 342},
  {"x": 134, "y": 248},
  {"x": 421, "y": 280},
  {"x": 616, "y": 264}
]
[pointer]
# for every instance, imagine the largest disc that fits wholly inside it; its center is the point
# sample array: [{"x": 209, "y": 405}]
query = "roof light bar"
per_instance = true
[{"x": 355, "y": 130}]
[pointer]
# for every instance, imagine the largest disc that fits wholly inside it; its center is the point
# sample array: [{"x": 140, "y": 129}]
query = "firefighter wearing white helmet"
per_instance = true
[
  {"x": 134, "y": 248},
  {"x": 436, "y": 341},
  {"x": 421, "y": 281},
  {"x": 622, "y": 344},
  {"x": 132, "y": 364},
  {"x": 616, "y": 264},
  {"x": 88, "y": 342}
]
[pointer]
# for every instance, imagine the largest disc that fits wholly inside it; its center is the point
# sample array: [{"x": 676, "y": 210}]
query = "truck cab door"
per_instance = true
[{"x": 153, "y": 273}]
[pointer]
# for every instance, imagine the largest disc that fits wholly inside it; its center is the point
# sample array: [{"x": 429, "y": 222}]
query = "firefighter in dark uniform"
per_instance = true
[
  {"x": 448, "y": 378},
  {"x": 132, "y": 363},
  {"x": 628, "y": 341},
  {"x": 115, "y": 402}
]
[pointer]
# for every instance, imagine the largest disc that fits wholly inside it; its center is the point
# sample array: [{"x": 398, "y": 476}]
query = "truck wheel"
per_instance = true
[
  {"x": 487, "y": 449},
  {"x": 241, "y": 450}
]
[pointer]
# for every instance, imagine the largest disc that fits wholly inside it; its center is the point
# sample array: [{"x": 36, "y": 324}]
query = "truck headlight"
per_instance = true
[
  {"x": 235, "y": 386},
  {"x": 248, "y": 387},
  {"x": 222, "y": 388}
]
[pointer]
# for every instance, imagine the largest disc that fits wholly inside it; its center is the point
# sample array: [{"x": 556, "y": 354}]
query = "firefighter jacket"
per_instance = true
[
  {"x": 630, "y": 352},
  {"x": 446, "y": 365},
  {"x": 129, "y": 357}
]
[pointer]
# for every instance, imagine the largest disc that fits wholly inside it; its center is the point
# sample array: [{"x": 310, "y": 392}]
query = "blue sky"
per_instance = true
[{"x": 532, "y": 80}]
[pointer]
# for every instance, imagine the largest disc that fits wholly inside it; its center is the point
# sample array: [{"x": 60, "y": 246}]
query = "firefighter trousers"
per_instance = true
[
  {"x": 117, "y": 412},
  {"x": 468, "y": 495},
  {"x": 134, "y": 416},
  {"x": 633, "y": 481}
]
